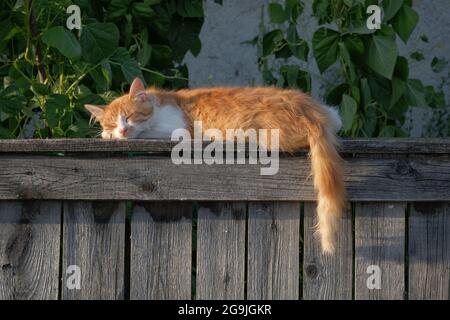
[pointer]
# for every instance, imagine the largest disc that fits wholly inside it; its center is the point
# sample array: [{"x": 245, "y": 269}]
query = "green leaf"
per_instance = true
[
  {"x": 402, "y": 68},
  {"x": 291, "y": 75},
  {"x": 325, "y": 46},
  {"x": 322, "y": 10},
  {"x": 381, "y": 90},
  {"x": 118, "y": 8},
  {"x": 398, "y": 90},
  {"x": 334, "y": 97},
  {"x": 145, "y": 50},
  {"x": 99, "y": 41},
  {"x": 161, "y": 56},
  {"x": 382, "y": 55},
  {"x": 356, "y": 94},
  {"x": 294, "y": 8},
  {"x": 366, "y": 96},
  {"x": 348, "y": 111},
  {"x": 388, "y": 131},
  {"x": 271, "y": 41},
  {"x": 5, "y": 133},
  {"x": 294, "y": 77},
  {"x": 142, "y": 10},
  {"x": 129, "y": 66},
  {"x": 348, "y": 3},
  {"x": 348, "y": 64},
  {"x": 102, "y": 77},
  {"x": 190, "y": 8},
  {"x": 183, "y": 36},
  {"x": 390, "y": 8},
  {"x": 39, "y": 88},
  {"x": 276, "y": 13},
  {"x": 417, "y": 55},
  {"x": 196, "y": 46},
  {"x": 299, "y": 47},
  {"x": 283, "y": 50},
  {"x": 359, "y": 27},
  {"x": 12, "y": 105},
  {"x": 55, "y": 109},
  {"x": 355, "y": 45},
  {"x": 437, "y": 65},
  {"x": 416, "y": 93},
  {"x": 64, "y": 41},
  {"x": 405, "y": 22},
  {"x": 424, "y": 38}
]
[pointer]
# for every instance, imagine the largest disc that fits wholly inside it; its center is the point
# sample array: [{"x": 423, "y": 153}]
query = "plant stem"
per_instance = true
[{"x": 34, "y": 34}]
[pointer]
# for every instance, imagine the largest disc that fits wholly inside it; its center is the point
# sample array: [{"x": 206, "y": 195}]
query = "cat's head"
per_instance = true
[{"x": 125, "y": 117}]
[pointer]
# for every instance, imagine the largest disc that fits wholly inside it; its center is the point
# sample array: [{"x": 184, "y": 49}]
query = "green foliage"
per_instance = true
[
  {"x": 49, "y": 72},
  {"x": 375, "y": 90}
]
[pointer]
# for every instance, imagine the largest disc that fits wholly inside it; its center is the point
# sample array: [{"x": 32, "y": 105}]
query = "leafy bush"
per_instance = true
[
  {"x": 375, "y": 90},
  {"x": 49, "y": 72}
]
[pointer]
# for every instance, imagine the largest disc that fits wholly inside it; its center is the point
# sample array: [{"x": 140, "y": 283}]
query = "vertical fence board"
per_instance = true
[
  {"x": 380, "y": 242},
  {"x": 94, "y": 241},
  {"x": 327, "y": 277},
  {"x": 161, "y": 248},
  {"x": 221, "y": 251},
  {"x": 273, "y": 250},
  {"x": 429, "y": 251},
  {"x": 29, "y": 249}
]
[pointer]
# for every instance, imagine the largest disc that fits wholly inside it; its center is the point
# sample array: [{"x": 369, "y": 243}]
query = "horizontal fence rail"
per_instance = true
[
  {"x": 81, "y": 172},
  {"x": 127, "y": 223}
]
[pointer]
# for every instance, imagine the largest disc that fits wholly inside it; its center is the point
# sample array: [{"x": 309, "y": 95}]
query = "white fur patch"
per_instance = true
[
  {"x": 336, "y": 121},
  {"x": 165, "y": 119}
]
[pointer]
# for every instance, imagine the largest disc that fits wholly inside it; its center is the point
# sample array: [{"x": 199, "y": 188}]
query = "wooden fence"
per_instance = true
[{"x": 136, "y": 226}]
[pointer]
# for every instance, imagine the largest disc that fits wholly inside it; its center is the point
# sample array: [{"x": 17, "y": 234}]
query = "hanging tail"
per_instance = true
[{"x": 326, "y": 165}]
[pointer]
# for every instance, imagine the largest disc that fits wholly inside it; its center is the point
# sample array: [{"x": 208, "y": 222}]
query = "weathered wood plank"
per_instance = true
[
  {"x": 273, "y": 251},
  {"x": 221, "y": 251},
  {"x": 161, "y": 248},
  {"x": 94, "y": 241},
  {"x": 29, "y": 250},
  {"x": 380, "y": 251},
  {"x": 429, "y": 251},
  {"x": 157, "y": 178},
  {"x": 327, "y": 277},
  {"x": 391, "y": 145}
]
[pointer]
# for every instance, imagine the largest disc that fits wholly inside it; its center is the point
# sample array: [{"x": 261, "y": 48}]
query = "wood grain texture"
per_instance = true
[
  {"x": 327, "y": 277},
  {"x": 388, "y": 145},
  {"x": 380, "y": 241},
  {"x": 157, "y": 178},
  {"x": 221, "y": 251},
  {"x": 429, "y": 251},
  {"x": 161, "y": 249},
  {"x": 273, "y": 251},
  {"x": 94, "y": 240},
  {"x": 29, "y": 250}
]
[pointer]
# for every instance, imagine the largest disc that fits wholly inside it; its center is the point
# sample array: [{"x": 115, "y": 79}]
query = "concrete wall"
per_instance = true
[{"x": 225, "y": 60}]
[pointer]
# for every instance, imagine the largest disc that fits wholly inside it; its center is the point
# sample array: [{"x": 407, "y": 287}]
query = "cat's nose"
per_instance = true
[{"x": 123, "y": 131}]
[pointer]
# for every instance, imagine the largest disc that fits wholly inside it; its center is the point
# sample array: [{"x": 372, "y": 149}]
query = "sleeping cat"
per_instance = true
[{"x": 154, "y": 113}]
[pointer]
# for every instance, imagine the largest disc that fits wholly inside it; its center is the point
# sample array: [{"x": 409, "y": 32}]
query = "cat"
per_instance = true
[{"x": 154, "y": 113}]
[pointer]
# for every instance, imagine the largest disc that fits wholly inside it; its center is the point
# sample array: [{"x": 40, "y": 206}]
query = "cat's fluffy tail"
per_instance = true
[{"x": 327, "y": 169}]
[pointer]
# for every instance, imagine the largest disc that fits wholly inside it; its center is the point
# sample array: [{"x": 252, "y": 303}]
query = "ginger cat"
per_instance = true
[{"x": 154, "y": 113}]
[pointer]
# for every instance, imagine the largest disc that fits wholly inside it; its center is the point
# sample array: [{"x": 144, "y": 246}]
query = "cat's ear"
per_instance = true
[
  {"x": 96, "y": 111},
  {"x": 137, "y": 88}
]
